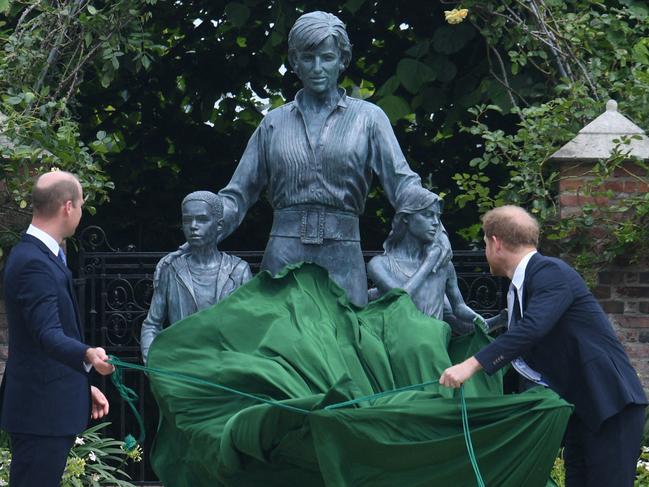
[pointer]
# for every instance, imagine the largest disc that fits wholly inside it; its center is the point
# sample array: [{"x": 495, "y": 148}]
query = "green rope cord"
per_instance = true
[
  {"x": 467, "y": 439},
  {"x": 130, "y": 397},
  {"x": 372, "y": 397}
]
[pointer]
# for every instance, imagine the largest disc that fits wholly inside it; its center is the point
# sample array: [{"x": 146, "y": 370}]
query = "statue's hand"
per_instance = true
[
  {"x": 480, "y": 322},
  {"x": 167, "y": 259},
  {"x": 443, "y": 250},
  {"x": 498, "y": 321}
]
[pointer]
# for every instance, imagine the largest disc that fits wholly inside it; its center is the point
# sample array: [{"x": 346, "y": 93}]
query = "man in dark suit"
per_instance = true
[
  {"x": 559, "y": 337},
  {"x": 47, "y": 397}
]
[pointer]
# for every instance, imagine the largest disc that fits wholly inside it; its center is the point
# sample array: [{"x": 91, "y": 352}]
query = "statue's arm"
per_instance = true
[
  {"x": 463, "y": 316},
  {"x": 387, "y": 159},
  {"x": 157, "y": 315},
  {"x": 384, "y": 278},
  {"x": 379, "y": 272},
  {"x": 249, "y": 179}
]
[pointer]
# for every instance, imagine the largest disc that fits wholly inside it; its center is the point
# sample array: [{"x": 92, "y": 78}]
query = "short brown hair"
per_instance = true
[
  {"x": 47, "y": 199},
  {"x": 513, "y": 225}
]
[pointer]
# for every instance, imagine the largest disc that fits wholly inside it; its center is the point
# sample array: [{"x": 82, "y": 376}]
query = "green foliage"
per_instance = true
[
  {"x": 47, "y": 51},
  {"x": 93, "y": 461},
  {"x": 586, "y": 53}
]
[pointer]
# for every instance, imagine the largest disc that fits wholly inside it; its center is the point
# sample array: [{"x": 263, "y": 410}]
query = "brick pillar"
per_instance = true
[{"x": 623, "y": 291}]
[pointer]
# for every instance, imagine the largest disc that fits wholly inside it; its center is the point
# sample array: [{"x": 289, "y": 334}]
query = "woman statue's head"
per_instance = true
[
  {"x": 311, "y": 30},
  {"x": 418, "y": 212}
]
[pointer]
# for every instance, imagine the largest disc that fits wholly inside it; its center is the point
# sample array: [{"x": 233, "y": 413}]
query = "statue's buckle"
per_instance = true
[{"x": 313, "y": 225}]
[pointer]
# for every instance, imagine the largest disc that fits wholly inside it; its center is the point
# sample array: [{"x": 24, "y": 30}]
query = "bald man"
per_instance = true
[
  {"x": 47, "y": 399},
  {"x": 559, "y": 337}
]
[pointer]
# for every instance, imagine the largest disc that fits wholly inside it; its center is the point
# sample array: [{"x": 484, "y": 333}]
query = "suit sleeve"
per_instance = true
[
  {"x": 548, "y": 297},
  {"x": 37, "y": 291}
]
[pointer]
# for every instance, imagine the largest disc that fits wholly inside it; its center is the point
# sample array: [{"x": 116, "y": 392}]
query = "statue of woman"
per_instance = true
[
  {"x": 315, "y": 157},
  {"x": 417, "y": 260}
]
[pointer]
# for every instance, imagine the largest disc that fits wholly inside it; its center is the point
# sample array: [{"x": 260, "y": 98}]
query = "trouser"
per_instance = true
[
  {"x": 343, "y": 260},
  {"x": 38, "y": 460},
  {"x": 324, "y": 236},
  {"x": 606, "y": 457}
]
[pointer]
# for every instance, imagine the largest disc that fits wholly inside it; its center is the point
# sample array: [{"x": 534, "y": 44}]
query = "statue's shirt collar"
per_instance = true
[{"x": 299, "y": 104}]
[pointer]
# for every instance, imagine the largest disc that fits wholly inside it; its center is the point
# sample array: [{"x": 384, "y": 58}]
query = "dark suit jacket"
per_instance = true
[
  {"x": 565, "y": 336},
  {"x": 46, "y": 386}
]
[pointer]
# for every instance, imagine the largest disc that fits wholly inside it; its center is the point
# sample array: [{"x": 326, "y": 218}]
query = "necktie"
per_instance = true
[
  {"x": 516, "y": 311},
  {"x": 62, "y": 257}
]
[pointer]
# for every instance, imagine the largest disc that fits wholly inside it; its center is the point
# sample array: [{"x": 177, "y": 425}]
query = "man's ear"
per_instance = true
[
  {"x": 496, "y": 243},
  {"x": 67, "y": 207}
]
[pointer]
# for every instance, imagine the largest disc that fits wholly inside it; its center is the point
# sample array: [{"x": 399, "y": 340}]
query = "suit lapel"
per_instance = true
[{"x": 531, "y": 265}]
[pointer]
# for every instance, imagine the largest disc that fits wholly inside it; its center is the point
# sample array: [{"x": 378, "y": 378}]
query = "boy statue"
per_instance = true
[{"x": 196, "y": 276}]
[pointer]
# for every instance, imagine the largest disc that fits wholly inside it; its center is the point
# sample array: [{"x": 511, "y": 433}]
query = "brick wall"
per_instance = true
[{"x": 623, "y": 292}]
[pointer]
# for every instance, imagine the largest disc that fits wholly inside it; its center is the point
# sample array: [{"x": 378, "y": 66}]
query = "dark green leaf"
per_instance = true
[
  {"x": 353, "y": 5},
  {"x": 413, "y": 74},
  {"x": 450, "y": 39},
  {"x": 395, "y": 107},
  {"x": 419, "y": 50},
  {"x": 389, "y": 87},
  {"x": 238, "y": 13}
]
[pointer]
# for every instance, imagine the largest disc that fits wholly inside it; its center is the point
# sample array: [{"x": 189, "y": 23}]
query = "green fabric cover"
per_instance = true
[{"x": 295, "y": 338}]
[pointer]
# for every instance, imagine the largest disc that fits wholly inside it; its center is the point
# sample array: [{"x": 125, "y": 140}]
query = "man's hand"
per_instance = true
[
  {"x": 99, "y": 403},
  {"x": 458, "y": 374},
  {"x": 98, "y": 359}
]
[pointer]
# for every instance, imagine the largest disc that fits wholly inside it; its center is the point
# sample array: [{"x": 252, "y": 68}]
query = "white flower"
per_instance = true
[
  {"x": 79, "y": 441},
  {"x": 95, "y": 477},
  {"x": 92, "y": 457},
  {"x": 3, "y": 483}
]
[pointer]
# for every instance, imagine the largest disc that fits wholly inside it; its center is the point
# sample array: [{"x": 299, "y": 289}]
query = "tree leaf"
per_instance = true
[
  {"x": 4, "y": 6},
  {"x": 413, "y": 74},
  {"x": 449, "y": 40},
  {"x": 238, "y": 13},
  {"x": 389, "y": 87},
  {"x": 419, "y": 50},
  {"x": 353, "y": 5},
  {"x": 394, "y": 107}
]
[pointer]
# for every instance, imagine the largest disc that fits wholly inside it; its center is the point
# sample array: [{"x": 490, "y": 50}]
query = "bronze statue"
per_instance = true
[
  {"x": 418, "y": 260},
  {"x": 315, "y": 157},
  {"x": 198, "y": 275}
]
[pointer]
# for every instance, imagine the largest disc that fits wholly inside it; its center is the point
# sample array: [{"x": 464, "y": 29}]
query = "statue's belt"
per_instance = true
[{"x": 314, "y": 224}]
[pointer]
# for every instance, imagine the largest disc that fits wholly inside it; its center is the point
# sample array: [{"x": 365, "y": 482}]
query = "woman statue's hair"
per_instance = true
[
  {"x": 414, "y": 200},
  {"x": 311, "y": 29}
]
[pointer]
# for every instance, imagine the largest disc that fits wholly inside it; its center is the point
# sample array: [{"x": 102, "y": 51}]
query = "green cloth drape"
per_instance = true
[{"x": 295, "y": 338}]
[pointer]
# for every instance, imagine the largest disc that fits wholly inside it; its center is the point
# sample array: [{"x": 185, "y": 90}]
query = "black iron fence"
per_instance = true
[{"x": 114, "y": 290}]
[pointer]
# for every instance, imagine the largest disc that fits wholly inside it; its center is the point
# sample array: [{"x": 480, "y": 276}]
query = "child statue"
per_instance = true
[
  {"x": 196, "y": 276},
  {"x": 417, "y": 261}
]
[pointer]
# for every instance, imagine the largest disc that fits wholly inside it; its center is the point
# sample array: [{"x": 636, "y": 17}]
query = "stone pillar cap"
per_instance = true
[{"x": 595, "y": 141}]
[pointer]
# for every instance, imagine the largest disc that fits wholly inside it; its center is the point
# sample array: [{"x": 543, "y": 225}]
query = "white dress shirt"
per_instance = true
[
  {"x": 44, "y": 237},
  {"x": 516, "y": 286}
]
